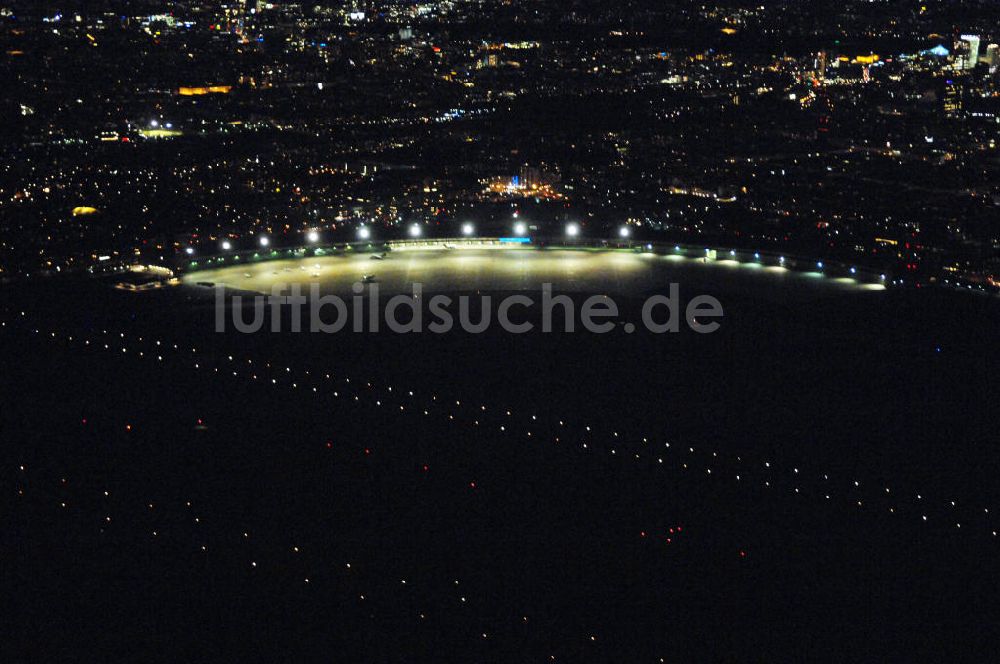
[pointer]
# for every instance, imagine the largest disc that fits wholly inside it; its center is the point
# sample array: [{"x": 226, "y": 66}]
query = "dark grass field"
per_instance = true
[{"x": 548, "y": 548}]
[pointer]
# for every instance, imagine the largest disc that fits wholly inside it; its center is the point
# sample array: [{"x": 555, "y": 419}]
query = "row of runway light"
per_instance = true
[
  {"x": 761, "y": 473},
  {"x": 519, "y": 229},
  {"x": 168, "y": 524},
  {"x": 710, "y": 465},
  {"x": 210, "y": 534}
]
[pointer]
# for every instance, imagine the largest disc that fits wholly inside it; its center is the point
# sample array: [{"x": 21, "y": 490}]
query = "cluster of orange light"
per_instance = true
[{"x": 204, "y": 90}]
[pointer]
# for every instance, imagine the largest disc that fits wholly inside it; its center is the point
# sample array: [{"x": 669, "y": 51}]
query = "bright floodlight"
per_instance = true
[
  {"x": 820, "y": 265},
  {"x": 415, "y": 230},
  {"x": 572, "y": 230},
  {"x": 364, "y": 233},
  {"x": 264, "y": 241},
  {"x": 226, "y": 245},
  {"x": 624, "y": 231},
  {"x": 313, "y": 237},
  {"x": 154, "y": 123},
  {"x": 189, "y": 250},
  {"x": 467, "y": 229},
  {"x": 520, "y": 228}
]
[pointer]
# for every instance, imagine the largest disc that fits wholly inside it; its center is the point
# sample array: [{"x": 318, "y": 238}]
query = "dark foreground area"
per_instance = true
[{"x": 812, "y": 482}]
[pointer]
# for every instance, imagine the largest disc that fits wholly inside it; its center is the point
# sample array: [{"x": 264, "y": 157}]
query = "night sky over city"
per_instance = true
[{"x": 499, "y": 331}]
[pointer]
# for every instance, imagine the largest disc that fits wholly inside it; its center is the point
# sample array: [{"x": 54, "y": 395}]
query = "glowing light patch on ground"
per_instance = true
[
  {"x": 514, "y": 269},
  {"x": 160, "y": 133}
]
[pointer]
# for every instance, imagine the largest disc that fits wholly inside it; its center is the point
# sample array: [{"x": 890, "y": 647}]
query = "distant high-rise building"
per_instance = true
[
  {"x": 992, "y": 57},
  {"x": 490, "y": 61},
  {"x": 821, "y": 63},
  {"x": 953, "y": 98},
  {"x": 967, "y": 52},
  {"x": 530, "y": 176}
]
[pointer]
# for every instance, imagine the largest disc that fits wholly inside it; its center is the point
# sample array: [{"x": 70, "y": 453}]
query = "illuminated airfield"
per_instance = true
[{"x": 465, "y": 269}]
